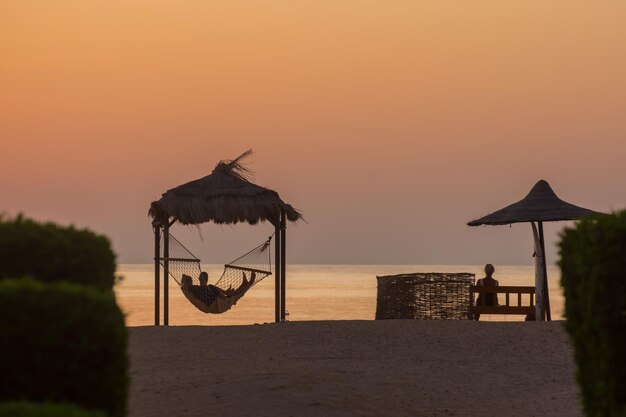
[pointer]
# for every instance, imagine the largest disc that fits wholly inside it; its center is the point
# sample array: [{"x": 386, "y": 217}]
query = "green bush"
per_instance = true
[
  {"x": 62, "y": 342},
  {"x": 51, "y": 253},
  {"x": 593, "y": 276},
  {"x": 24, "y": 409}
]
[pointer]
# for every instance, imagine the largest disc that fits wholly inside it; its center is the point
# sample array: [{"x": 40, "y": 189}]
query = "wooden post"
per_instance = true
[
  {"x": 157, "y": 272},
  {"x": 545, "y": 274},
  {"x": 470, "y": 314},
  {"x": 277, "y": 270},
  {"x": 166, "y": 271},
  {"x": 283, "y": 262}
]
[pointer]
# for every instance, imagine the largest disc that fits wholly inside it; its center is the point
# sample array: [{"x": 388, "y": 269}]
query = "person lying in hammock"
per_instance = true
[
  {"x": 205, "y": 287},
  {"x": 208, "y": 292},
  {"x": 186, "y": 284},
  {"x": 204, "y": 292},
  {"x": 245, "y": 286}
]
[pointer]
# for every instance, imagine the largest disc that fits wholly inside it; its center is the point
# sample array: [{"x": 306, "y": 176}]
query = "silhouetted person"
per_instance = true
[
  {"x": 200, "y": 292},
  {"x": 210, "y": 288},
  {"x": 490, "y": 299},
  {"x": 246, "y": 285},
  {"x": 204, "y": 279},
  {"x": 186, "y": 281}
]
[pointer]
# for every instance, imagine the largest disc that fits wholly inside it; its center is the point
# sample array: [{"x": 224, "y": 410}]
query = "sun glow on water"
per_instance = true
[{"x": 314, "y": 292}]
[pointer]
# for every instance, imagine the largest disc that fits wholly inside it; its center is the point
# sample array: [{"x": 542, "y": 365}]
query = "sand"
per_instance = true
[{"x": 354, "y": 368}]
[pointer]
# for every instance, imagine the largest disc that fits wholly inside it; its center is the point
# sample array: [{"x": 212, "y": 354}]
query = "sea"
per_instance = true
[{"x": 314, "y": 292}]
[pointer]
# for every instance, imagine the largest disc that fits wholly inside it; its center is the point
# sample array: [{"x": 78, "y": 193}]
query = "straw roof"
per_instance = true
[
  {"x": 541, "y": 204},
  {"x": 224, "y": 196}
]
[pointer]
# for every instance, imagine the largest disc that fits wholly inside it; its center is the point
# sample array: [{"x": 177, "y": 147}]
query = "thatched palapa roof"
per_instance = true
[
  {"x": 541, "y": 204},
  {"x": 224, "y": 196}
]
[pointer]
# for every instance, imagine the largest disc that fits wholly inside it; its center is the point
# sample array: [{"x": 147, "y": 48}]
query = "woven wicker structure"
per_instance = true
[{"x": 424, "y": 296}]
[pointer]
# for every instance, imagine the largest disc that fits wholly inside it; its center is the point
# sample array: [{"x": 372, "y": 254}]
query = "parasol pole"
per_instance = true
[
  {"x": 540, "y": 311},
  {"x": 157, "y": 271},
  {"x": 166, "y": 271},
  {"x": 277, "y": 268},
  {"x": 545, "y": 274},
  {"x": 283, "y": 264}
]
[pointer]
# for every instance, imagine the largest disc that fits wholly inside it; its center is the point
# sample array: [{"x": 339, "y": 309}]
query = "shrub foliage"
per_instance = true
[
  {"x": 25, "y": 409},
  {"x": 62, "y": 342},
  {"x": 51, "y": 253},
  {"x": 593, "y": 275}
]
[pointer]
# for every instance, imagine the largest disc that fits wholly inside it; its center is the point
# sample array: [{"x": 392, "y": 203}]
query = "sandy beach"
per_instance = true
[{"x": 354, "y": 368}]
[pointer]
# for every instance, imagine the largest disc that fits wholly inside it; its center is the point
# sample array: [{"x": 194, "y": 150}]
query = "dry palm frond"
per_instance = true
[{"x": 236, "y": 168}]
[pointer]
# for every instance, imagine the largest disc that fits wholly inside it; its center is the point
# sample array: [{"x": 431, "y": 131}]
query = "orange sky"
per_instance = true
[{"x": 389, "y": 124}]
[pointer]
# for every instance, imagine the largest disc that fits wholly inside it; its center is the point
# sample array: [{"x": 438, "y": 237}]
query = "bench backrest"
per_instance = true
[{"x": 505, "y": 307}]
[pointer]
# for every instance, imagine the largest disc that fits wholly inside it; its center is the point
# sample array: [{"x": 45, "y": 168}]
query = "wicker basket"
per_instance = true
[{"x": 424, "y": 296}]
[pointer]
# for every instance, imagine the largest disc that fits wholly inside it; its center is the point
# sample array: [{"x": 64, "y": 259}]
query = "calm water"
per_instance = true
[{"x": 314, "y": 292}]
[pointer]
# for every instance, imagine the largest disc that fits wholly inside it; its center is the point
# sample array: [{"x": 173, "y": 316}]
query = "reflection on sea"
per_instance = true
[{"x": 314, "y": 292}]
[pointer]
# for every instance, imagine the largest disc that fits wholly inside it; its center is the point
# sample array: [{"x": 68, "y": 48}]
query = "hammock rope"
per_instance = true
[{"x": 238, "y": 276}]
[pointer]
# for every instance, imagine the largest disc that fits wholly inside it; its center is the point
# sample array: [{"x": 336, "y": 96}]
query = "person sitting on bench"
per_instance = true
[{"x": 487, "y": 281}]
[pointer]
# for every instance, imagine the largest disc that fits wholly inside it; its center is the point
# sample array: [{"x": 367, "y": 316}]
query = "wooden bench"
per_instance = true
[{"x": 504, "y": 307}]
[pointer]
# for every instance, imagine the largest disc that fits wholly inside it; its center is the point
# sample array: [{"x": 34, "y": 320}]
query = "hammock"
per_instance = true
[{"x": 238, "y": 277}]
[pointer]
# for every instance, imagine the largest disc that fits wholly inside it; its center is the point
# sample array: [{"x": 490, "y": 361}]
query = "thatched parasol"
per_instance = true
[
  {"x": 224, "y": 196},
  {"x": 540, "y": 205}
]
